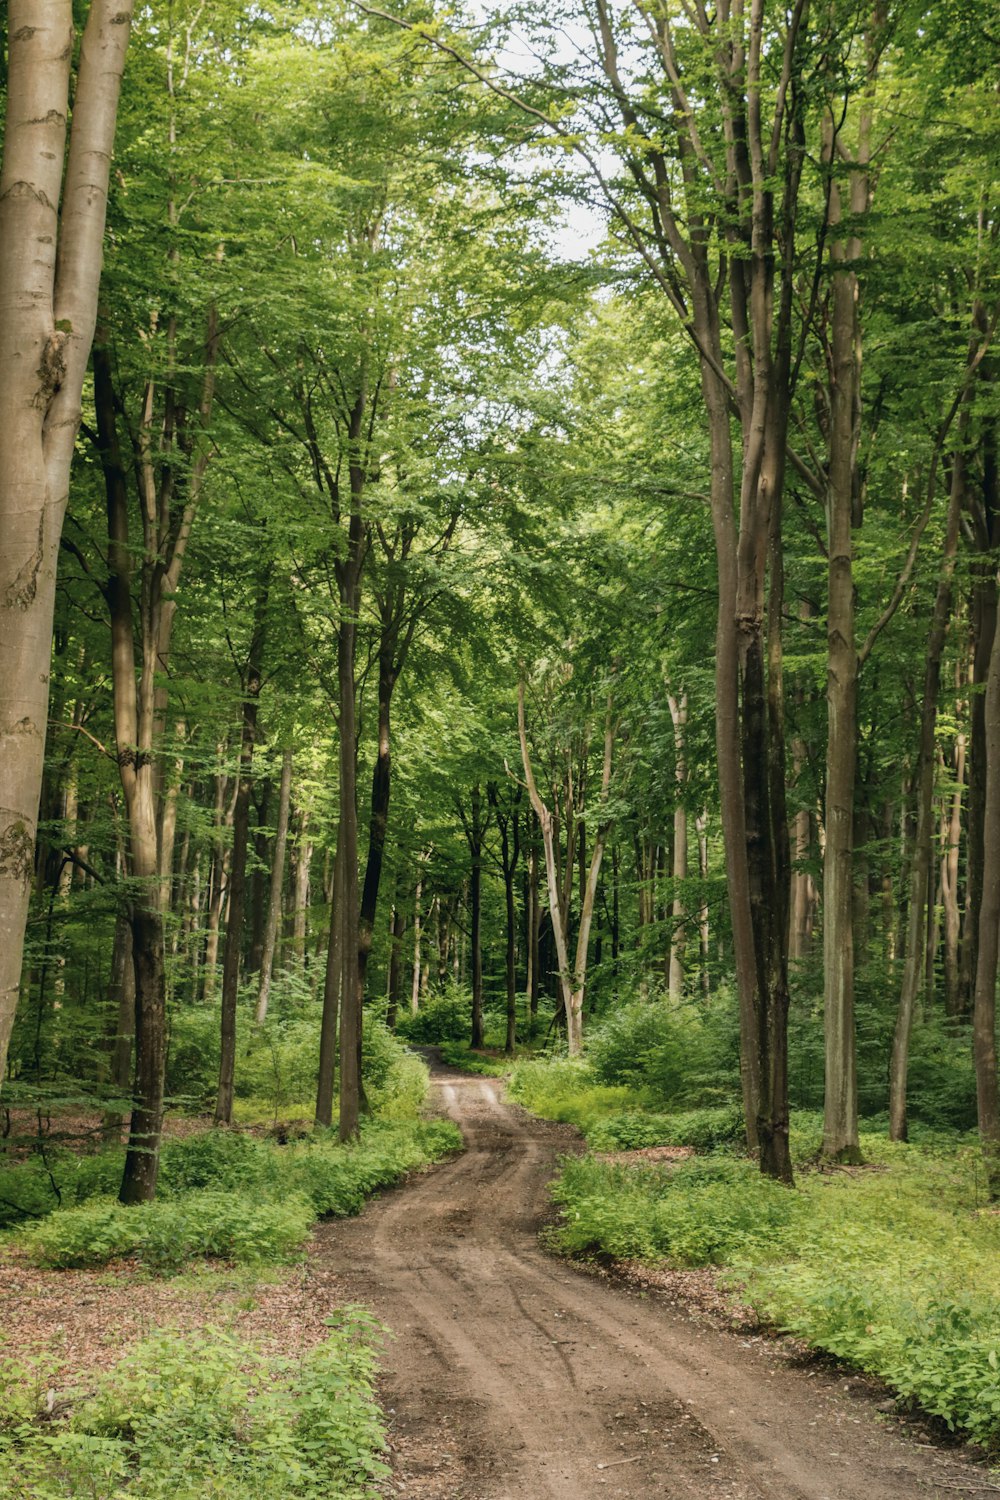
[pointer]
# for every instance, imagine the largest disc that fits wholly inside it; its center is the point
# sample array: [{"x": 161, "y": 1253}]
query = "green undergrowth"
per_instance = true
[
  {"x": 893, "y": 1267},
  {"x": 238, "y": 1198},
  {"x": 41, "y": 1173},
  {"x": 461, "y": 1055},
  {"x": 565, "y": 1089},
  {"x": 188, "y": 1417}
]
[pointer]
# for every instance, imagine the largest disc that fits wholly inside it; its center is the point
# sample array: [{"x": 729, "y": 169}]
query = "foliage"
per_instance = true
[
  {"x": 663, "y": 1048},
  {"x": 442, "y": 1017},
  {"x": 693, "y": 1214},
  {"x": 185, "y": 1417},
  {"x": 704, "y": 1129},
  {"x": 894, "y": 1268},
  {"x": 461, "y": 1055},
  {"x": 238, "y": 1198},
  {"x": 564, "y": 1089},
  {"x": 164, "y": 1234}
]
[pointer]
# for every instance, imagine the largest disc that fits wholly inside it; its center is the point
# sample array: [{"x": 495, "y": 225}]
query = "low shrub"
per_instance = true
[
  {"x": 565, "y": 1089},
  {"x": 461, "y": 1055},
  {"x": 235, "y": 1197},
  {"x": 337, "y": 1179},
  {"x": 694, "y": 1214},
  {"x": 185, "y": 1417},
  {"x": 704, "y": 1129},
  {"x": 442, "y": 1017},
  {"x": 679, "y": 1055},
  {"x": 166, "y": 1233}
]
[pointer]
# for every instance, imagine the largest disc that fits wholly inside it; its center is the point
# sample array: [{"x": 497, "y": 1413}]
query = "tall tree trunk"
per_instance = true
[
  {"x": 415, "y": 989},
  {"x": 300, "y": 888},
  {"x": 675, "y": 975},
  {"x": 351, "y": 997},
  {"x": 474, "y": 834},
  {"x": 840, "y": 1108},
  {"x": 259, "y": 881},
  {"x": 378, "y": 821},
  {"x": 397, "y": 932},
  {"x": 238, "y": 879},
  {"x": 510, "y": 850},
  {"x": 534, "y": 925},
  {"x": 701, "y": 827},
  {"x": 216, "y": 885},
  {"x": 984, "y": 1043},
  {"x": 52, "y": 213},
  {"x": 121, "y": 996},
  {"x": 276, "y": 883},
  {"x": 983, "y": 612},
  {"x": 572, "y": 981},
  {"x": 949, "y": 887},
  {"x": 920, "y": 865},
  {"x": 509, "y": 864},
  {"x": 328, "y": 1036}
]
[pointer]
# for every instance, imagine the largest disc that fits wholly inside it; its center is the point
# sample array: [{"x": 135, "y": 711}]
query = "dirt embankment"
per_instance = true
[{"x": 511, "y": 1376}]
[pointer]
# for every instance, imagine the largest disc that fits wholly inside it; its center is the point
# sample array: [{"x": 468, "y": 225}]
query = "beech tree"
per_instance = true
[{"x": 53, "y": 198}]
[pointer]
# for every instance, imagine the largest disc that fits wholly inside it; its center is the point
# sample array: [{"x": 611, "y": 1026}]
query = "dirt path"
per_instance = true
[{"x": 511, "y": 1376}]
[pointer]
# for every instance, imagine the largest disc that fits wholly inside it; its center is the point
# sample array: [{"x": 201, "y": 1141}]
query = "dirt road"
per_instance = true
[{"x": 511, "y": 1376}]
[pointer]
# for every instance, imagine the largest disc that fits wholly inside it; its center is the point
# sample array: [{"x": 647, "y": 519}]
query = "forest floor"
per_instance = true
[{"x": 511, "y": 1375}]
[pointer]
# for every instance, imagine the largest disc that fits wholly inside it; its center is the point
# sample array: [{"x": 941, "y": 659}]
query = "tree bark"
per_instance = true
[
  {"x": 51, "y": 235},
  {"x": 300, "y": 888},
  {"x": 121, "y": 995},
  {"x": 840, "y": 1107},
  {"x": 378, "y": 821},
  {"x": 474, "y": 835},
  {"x": 238, "y": 877},
  {"x": 328, "y": 1037},
  {"x": 920, "y": 866},
  {"x": 415, "y": 988},
  {"x": 351, "y": 997},
  {"x": 675, "y": 973},
  {"x": 397, "y": 932},
  {"x": 949, "y": 887},
  {"x": 572, "y": 981},
  {"x": 510, "y": 852},
  {"x": 984, "y": 1043},
  {"x": 276, "y": 883}
]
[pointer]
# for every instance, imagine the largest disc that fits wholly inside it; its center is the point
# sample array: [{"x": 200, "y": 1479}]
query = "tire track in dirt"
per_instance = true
[{"x": 512, "y": 1376}]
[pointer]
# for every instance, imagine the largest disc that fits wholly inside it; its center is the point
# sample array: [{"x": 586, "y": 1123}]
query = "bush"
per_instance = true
[
  {"x": 461, "y": 1055},
  {"x": 181, "y": 1418},
  {"x": 693, "y": 1214},
  {"x": 675, "y": 1054},
  {"x": 704, "y": 1129},
  {"x": 564, "y": 1089},
  {"x": 166, "y": 1233},
  {"x": 337, "y": 1179},
  {"x": 443, "y": 1017},
  {"x": 234, "y": 1197}
]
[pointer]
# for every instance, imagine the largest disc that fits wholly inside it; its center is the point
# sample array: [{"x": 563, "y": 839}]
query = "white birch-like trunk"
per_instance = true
[{"x": 51, "y": 234}]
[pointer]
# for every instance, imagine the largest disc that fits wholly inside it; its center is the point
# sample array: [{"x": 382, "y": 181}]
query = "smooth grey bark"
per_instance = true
[
  {"x": 276, "y": 882},
  {"x": 52, "y": 215}
]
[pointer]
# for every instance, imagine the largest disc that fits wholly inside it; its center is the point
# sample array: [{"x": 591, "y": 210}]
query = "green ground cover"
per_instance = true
[
  {"x": 893, "y": 1267},
  {"x": 188, "y": 1418}
]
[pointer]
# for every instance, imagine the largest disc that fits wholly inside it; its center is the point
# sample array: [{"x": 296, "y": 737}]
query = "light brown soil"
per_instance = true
[{"x": 512, "y": 1376}]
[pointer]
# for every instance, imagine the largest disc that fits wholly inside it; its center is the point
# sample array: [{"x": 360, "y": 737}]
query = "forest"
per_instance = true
[{"x": 499, "y": 524}]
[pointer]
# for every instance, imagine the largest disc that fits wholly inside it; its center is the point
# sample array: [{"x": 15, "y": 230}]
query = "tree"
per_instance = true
[{"x": 51, "y": 234}]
